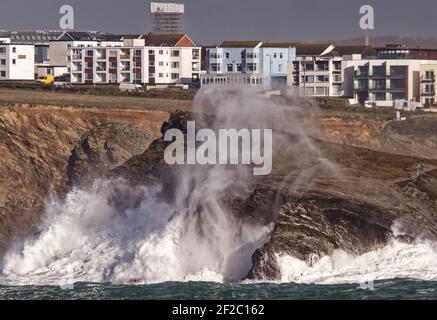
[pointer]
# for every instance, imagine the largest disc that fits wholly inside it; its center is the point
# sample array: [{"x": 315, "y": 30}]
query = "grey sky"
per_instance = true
[{"x": 210, "y": 21}]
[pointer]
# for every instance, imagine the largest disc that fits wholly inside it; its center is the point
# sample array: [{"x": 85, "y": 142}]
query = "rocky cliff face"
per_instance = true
[
  {"x": 104, "y": 148},
  {"x": 35, "y": 145}
]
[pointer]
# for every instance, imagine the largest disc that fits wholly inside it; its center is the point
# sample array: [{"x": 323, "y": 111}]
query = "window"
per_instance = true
[
  {"x": 175, "y": 53},
  {"x": 2, "y": 50},
  {"x": 281, "y": 55},
  {"x": 14, "y": 61},
  {"x": 196, "y": 66},
  {"x": 251, "y": 56},
  {"x": 215, "y": 56},
  {"x": 215, "y": 67},
  {"x": 151, "y": 51},
  {"x": 2, "y": 62},
  {"x": 161, "y": 63},
  {"x": 280, "y": 67},
  {"x": 161, "y": 51},
  {"x": 175, "y": 65},
  {"x": 174, "y": 76},
  {"x": 3, "y": 74},
  {"x": 380, "y": 96},
  {"x": 323, "y": 78},
  {"x": 137, "y": 53},
  {"x": 160, "y": 75},
  {"x": 251, "y": 67},
  {"x": 320, "y": 91},
  {"x": 309, "y": 91},
  {"x": 239, "y": 68},
  {"x": 309, "y": 79},
  {"x": 227, "y": 55},
  {"x": 308, "y": 66},
  {"x": 274, "y": 55},
  {"x": 89, "y": 53},
  {"x": 230, "y": 67},
  {"x": 14, "y": 49},
  {"x": 196, "y": 54}
]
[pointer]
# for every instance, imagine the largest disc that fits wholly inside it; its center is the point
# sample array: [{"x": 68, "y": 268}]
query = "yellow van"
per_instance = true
[{"x": 47, "y": 80}]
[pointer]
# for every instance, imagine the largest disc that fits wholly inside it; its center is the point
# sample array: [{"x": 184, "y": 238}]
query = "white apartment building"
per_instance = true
[
  {"x": 317, "y": 69},
  {"x": 248, "y": 63},
  {"x": 58, "y": 53},
  {"x": 149, "y": 59},
  {"x": 17, "y": 62},
  {"x": 382, "y": 81}
]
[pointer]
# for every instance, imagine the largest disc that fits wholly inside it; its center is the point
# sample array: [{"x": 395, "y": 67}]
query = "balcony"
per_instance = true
[
  {"x": 378, "y": 75},
  {"x": 397, "y": 75},
  {"x": 397, "y": 89},
  {"x": 359, "y": 87},
  {"x": 125, "y": 67},
  {"x": 76, "y": 56},
  {"x": 362, "y": 74},
  {"x": 427, "y": 93},
  {"x": 101, "y": 55},
  {"x": 125, "y": 55},
  {"x": 430, "y": 78},
  {"x": 101, "y": 67}
]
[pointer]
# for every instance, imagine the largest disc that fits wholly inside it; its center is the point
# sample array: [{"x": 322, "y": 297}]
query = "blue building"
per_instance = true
[{"x": 248, "y": 63}]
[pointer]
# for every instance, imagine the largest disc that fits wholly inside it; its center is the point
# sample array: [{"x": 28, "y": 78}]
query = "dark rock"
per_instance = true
[{"x": 104, "y": 148}]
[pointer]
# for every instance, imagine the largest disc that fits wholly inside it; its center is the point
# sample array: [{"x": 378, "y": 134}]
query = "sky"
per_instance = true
[{"x": 212, "y": 21}]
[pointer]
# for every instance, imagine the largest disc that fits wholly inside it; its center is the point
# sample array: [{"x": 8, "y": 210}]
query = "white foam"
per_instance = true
[{"x": 396, "y": 260}]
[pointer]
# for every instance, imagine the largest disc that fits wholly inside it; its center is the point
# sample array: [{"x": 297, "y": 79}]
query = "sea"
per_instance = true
[{"x": 381, "y": 290}]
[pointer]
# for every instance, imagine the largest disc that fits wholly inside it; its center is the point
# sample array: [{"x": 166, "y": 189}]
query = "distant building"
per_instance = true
[
  {"x": 39, "y": 38},
  {"x": 59, "y": 48},
  {"x": 382, "y": 81},
  {"x": 395, "y": 72},
  {"x": 248, "y": 63},
  {"x": 317, "y": 70},
  {"x": 17, "y": 61},
  {"x": 167, "y": 18},
  {"x": 145, "y": 59}
]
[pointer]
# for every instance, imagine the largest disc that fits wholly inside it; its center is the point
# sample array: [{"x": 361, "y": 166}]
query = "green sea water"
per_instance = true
[{"x": 384, "y": 289}]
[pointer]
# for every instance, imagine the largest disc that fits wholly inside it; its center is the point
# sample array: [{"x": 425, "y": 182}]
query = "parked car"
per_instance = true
[
  {"x": 63, "y": 81},
  {"x": 131, "y": 87}
]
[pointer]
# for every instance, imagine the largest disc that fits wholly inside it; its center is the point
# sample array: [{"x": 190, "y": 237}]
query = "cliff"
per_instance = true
[{"x": 35, "y": 146}]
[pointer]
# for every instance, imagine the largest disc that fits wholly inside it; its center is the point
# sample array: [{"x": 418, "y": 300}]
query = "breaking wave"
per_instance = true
[
  {"x": 397, "y": 260},
  {"x": 85, "y": 238}
]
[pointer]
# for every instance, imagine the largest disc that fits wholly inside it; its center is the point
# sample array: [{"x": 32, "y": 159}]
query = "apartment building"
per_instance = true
[
  {"x": 317, "y": 69},
  {"x": 39, "y": 38},
  {"x": 248, "y": 63},
  {"x": 59, "y": 49},
  {"x": 394, "y": 73},
  {"x": 17, "y": 61},
  {"x": 382, "y": 81},
  {"x": 148, "y": 59}
]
